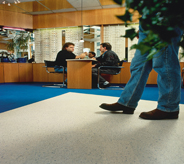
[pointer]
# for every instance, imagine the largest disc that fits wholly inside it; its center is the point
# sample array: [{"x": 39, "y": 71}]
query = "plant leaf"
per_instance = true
[
  {"x": 126, "y": 17},
  {"x": 142, "y": 47},
  {"x": 120, "y": 2},
  {"x": 130, "y": 33}
]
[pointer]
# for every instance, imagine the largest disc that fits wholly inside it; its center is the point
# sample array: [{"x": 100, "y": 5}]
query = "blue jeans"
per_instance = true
[
  {"x": 60, "y": 69},
  {"x": 166, "y": 64}
]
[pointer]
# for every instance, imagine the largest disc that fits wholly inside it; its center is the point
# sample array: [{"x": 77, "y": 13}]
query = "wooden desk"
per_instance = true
[{"x": 79, "y": 73}]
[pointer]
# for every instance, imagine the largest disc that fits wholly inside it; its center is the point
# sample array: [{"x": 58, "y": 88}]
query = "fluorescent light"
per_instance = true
[{"x": 14, "y": 28}]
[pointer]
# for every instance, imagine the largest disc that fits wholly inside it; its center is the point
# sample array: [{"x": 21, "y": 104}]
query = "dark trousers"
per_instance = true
[
  {"x": 101, "y": 79},
  {"x": 95, "y": 77}
]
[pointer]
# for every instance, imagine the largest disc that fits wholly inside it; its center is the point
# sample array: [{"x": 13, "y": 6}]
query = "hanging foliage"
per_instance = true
[{"x": 158, "y": 19}]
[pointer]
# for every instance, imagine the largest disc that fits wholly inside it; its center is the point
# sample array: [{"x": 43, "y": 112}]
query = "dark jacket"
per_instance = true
[
  {"x": 109, "y": 58},
  {"x": 62, "y": 56}
]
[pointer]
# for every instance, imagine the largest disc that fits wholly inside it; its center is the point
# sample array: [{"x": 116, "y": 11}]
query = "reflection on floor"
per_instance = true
[{"x": 72, "y": 129}]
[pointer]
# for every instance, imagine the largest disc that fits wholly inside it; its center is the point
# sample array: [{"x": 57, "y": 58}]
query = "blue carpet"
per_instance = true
[{"x": 14, "y": 95}]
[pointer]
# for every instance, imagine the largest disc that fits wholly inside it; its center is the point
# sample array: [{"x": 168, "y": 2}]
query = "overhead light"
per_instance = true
[
  {"x": 95, "y": 27},
  {"x": 3, "y": 2},
  {"x": 9, "y": 4},
  {"x": 15, "y": 2},
  {"x": 81, "y": 40},
  {"x": 13, "y": 28},
  {"x": 18, "y": 1}
]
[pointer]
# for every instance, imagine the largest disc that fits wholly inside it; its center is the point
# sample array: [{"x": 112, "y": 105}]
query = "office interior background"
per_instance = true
[{"x": 37, "y": 128}]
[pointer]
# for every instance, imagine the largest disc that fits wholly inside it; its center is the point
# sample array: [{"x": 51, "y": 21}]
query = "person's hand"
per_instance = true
[
  {"x": 82, "y": 56},
  {"x": 93, "y": 65},
  {"x": 93, "y": 58}
]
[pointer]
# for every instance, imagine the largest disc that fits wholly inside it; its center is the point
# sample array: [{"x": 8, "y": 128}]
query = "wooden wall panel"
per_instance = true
[
  {"x": 1, "y": 73},
  {"x": 25, "y": 72},
  {"x": 15, "y": 19},
  {"x": 67, "y": 19},
  {"x": 55, "y": 77},
  {"x": 39, "y": 73},
  {"x": 181, "y": 65},
  {"x": 125, "y": 73},
  {"x": 28, "y": 72},
  {"x": 1, "y": 17},
  {"x": 11, "y": 73},
  {"x": 152, "y": 79},
  {"x": 90, "y": 17},
  {"x": 116, "y": 79}
]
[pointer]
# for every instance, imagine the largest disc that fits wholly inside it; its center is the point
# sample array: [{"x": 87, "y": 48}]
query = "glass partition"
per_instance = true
[{"x": 92, "y": 39}]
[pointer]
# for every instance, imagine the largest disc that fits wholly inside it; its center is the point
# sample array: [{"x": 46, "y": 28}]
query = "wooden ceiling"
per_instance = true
[{"x": 37, "y": 7}]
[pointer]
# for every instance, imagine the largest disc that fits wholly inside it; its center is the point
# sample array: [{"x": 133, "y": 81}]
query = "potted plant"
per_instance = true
[
  {"x": 19, "y": 42},
  {"x": 22, "y": 42}
]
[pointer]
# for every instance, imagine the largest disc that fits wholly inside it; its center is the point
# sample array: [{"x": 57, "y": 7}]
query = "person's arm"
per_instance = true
[
  {"x": 107, "y": 61},
  {"x": 81, "y": 56}
]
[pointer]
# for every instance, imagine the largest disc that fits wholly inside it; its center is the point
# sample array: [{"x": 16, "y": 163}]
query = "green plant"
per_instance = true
[
  {"x": 158, "y": 19},
  {"x": 20, "y": 41},
  {"x": 11, "y": 45}
]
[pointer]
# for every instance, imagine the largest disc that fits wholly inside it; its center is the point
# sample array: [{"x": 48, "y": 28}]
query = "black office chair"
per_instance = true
[
  {"x": 119, "y": 67},
  {"x": 51, "y": 64}
]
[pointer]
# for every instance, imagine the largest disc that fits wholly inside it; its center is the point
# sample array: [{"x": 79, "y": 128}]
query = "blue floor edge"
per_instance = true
[{"x": 14, "y": 95}]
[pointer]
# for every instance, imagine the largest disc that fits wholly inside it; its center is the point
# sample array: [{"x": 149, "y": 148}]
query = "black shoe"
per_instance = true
[
  {"x": 104, "y": 86},
  {"x": 117, "y": 107},
  {"x": 159, "y": 115}
]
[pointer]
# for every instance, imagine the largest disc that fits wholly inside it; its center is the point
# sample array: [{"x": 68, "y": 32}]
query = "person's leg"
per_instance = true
[
  {"x": 95, "y": 78},
  {"x": 166, "y": 64},
  {"x": 60, "y": 70},
  {"x": 140, "y": 69},
  {"x": 134, "y": 88},
  {"x": 169, "y": 77}
]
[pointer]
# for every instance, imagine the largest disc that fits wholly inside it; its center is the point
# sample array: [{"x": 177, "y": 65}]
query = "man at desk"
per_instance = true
[
  {"x": 66, "y": 53},
  {"x": 107, "y": 58},
  {"x": 92, "y": 54}
]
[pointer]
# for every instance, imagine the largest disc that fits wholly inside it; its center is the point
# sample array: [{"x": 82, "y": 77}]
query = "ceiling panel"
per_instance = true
[
  {"x": 56, "y": 4},
  {"x": 64, "y": 10},
  {"x": 36, "y": 7},
  {"x": 84, "y": 3}
]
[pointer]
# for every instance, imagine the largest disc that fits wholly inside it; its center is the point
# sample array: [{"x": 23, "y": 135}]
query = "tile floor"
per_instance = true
[{"x": 72, "y": 129}]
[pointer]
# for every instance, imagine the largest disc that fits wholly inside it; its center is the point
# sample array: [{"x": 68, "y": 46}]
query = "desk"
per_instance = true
[{"x": 79, "y": 73}]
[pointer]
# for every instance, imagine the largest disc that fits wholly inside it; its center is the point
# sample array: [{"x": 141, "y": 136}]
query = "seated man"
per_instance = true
[
  {"x": 66, "y": 53},
  {"x": 107, "y": 58},
  {"x": 91, "y": 54}
]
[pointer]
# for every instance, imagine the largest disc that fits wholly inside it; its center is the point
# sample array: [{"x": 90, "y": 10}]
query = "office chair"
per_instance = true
[
  {"x": 51, "y": 64},
  {"x": 119, "y": 67}
]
